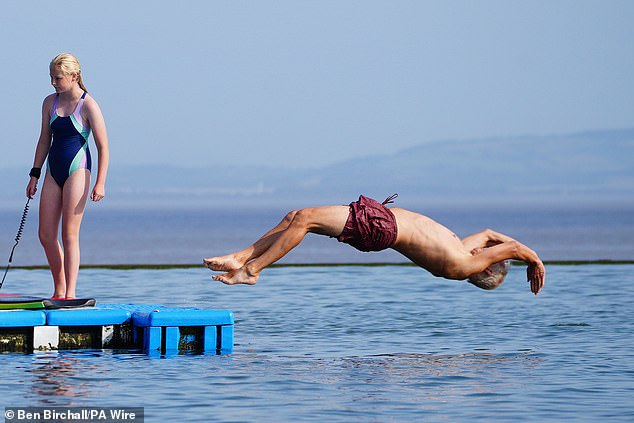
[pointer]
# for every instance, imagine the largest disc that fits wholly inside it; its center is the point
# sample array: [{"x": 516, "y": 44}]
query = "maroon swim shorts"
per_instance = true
[{"x": 370, "y": 226}]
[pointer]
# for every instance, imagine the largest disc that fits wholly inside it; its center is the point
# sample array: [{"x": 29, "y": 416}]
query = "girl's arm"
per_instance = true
[
  {"x": 43, "y": 144},
  {"x": 98, "y": 126}
]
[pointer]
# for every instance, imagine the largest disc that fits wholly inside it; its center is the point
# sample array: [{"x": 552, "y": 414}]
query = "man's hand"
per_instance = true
[{"x": 536, "y": 274}]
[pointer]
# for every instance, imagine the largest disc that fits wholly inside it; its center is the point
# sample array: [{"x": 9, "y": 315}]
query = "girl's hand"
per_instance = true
[
  {"x": 31, "y": 188},
  {"x": 98, "y": 192}
]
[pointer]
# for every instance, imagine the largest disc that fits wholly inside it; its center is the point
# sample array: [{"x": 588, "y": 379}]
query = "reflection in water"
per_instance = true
[
  {"x": 426, "y": 377},
  {"x": 387, "y": 381},
  {"x": 428, "y": 383},
  {"x": 412, "y": 366},
  {"x": 58, "y": 374}
]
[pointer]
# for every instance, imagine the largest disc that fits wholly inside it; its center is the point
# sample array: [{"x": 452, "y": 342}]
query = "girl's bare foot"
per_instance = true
[
  {"x": 223, "y": 263},
  {"x": 238, "y": 276}
]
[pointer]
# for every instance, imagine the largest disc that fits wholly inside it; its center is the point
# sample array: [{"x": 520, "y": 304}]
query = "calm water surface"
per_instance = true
[{"x": 357, "y": 343}]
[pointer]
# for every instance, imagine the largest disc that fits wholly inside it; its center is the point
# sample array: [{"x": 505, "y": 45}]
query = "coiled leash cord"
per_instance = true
[{"x": 17, "y": 238}]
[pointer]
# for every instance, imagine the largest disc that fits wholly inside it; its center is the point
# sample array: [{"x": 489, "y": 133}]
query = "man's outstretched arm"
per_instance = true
[
  {"x": 513, "y": 250},
  {"x": 483, "y": 239}
]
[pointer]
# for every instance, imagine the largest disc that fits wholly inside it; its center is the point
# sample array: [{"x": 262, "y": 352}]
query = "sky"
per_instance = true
[{"x": 310, "y": 83}]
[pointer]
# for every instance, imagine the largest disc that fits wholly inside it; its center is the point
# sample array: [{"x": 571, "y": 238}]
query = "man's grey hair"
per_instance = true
[{"x": 492, "y": 277}]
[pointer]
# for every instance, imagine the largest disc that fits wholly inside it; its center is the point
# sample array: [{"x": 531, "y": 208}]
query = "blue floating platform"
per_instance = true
[
  {"x": 97, "y": 316},
  {"x": 22, "y": 318},
  {"x": 170, "y": 329},
  {"x": 167, "y": 316},
  {"x": 151, "y": 327}
]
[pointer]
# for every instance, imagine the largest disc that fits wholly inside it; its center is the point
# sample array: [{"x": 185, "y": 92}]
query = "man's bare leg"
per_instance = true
[
  {"x": 238, "y": 259},
  {"x": 327, "y": 220}
]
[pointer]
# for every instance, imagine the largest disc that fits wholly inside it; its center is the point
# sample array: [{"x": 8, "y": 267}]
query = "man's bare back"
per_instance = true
[{"x": 427, "y": 243}]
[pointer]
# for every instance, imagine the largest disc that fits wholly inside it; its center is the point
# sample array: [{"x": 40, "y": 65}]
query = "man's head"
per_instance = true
[{"x": 492, "y": 277}]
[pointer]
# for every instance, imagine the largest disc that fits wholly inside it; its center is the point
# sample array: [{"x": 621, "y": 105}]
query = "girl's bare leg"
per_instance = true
[
  {"x": 50, "y": 214},
  {"x": 75, "y": 195},
  {"x": 327, "y": 220},
  {"x": 238, "y": 259}
]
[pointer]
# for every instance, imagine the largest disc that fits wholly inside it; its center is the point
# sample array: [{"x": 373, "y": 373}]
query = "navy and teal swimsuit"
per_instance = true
[{"x": 69, "y": 150}]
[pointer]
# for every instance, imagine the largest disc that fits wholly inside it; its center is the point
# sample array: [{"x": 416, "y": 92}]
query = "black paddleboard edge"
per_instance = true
[{"x": 76, "y": 303}]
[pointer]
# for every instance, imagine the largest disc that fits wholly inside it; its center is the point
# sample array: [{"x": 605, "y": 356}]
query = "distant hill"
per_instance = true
[
  {"x": 576, "y": 167},
  {"x": 593, "y": 166}
]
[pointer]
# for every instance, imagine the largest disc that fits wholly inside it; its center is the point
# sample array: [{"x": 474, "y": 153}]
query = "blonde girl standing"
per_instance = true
[{"x": 69, "y": 116}]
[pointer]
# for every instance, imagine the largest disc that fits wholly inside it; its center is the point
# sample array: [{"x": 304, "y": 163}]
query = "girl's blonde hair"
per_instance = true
[{"x": 69, "y": 65}]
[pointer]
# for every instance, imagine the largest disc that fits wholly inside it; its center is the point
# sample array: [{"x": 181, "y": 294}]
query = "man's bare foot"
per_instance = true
[
  {"x": 223, "y": 263},
  {"x": 238, "y": 276}
]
